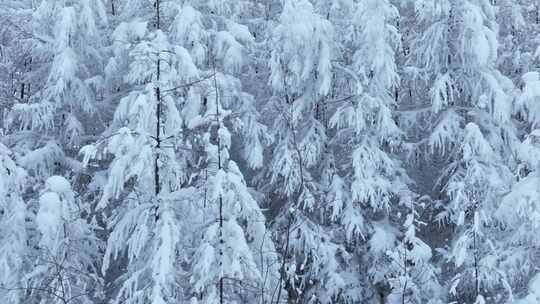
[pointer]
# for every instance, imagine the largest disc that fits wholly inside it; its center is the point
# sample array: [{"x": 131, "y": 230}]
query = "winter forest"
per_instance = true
[{"x": 269, "y": 151}]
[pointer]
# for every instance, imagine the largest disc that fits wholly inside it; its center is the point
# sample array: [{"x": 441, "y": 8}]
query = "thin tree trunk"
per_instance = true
[
  {"x": 113, "y": 8},
  {"x": 475, "y": 252},
  {"x": 283, "y": 262},
  {"x": 221, "y": 293},
  {"x": 158, "y": 132},
  {"x": 157, "y": 186}
]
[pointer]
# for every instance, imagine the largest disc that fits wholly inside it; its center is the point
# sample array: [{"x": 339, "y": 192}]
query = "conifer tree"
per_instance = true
[
  {"x": 519, "y": 209},
  {"x": 469, "y": 112},
  {"x": 148, "y": 167},
  {"x": 181, "y": 99},
  {"x": 301, "y": 79},
  {"x": 52, "y": 87},
  {"x": 61, "y": 83},
  {"x": 64, "y": 270},
  {"x": 235, "y": 260},
  {"x": 13, "y": 240},
  {"x": 380, "y": 216}
]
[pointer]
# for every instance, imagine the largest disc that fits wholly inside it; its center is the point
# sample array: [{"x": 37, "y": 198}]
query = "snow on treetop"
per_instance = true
[{"x": 58, "y": 184}]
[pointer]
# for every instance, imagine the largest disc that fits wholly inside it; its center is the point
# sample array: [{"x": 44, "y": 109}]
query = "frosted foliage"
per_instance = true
[
  {"x": 521, "y": 208},
  {"x": 49, "y": 219},
  {"x": 442, "y": 92},
  {"x": 475, "y": 49},
  {"x": 382, "y": 239},
  {"x": 43, "y": 161},
  {"x": 164, "y": 259},
  {"x": 479, "y": 42},
  {"x": 188, "y": 29},
  {"x": 446, "y": 133},
  {"x": 55, "y": 208},
  {"x": 229, "y": 51},
  {"x": 473, "y": 186},
  {"x": 152, "y": 173},
  {"x": 317, "y": 261},
  {"x": 427, "y": 9},
  {"x": 128, "y": 163},
  {"x": 303, "y": 168},
  {"x": 130, "y": 31},
  {"x": 474, "y": 144},
  {"x": 375, "y": 20},
  {"x": 370, "y": 183},
  {"x": 235, "y": 262},
  {"x": 528, "y": 151},
  {"x": 303, "y": 39},
  {"x": 285, "y": 166},
  {"x": 528, "y": 102},
  {"x": 413, "y": 278},
  {"x": 135, "y": 115},
  {"x": 377, "y": 176},
  {"x": 256, "y": 136}
]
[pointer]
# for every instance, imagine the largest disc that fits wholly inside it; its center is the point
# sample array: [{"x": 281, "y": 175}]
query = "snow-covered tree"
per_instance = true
[
  {"x": 520, "y": 209},
  {"x": 54, "y": 81},
  {"x": 225, "y": 268},
  {"x": 410, "y": 273},
  {"x": 148, "y": 170},
  {"x": 519, "y": 28},
  {"x": 368, "y": 139},
  {"x": 180, "y": 95},
  {"x": 61, "y": 83},
  {"x": 313, "y": 266},
  {"x": 13, "y": 239},
  {"x": 235, "y": 260},
  {"x": 64, "y": 268},
  {"x": 453, "y": 59},
  {"x": 14, "y": 53}
]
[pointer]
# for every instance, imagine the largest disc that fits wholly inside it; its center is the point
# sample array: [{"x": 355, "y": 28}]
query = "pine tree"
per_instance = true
[
  {"x": 180, "y": 99},
  {"x": 14, "y": 54},
  {"x": 378, "y": 185},
  {"x": 145, "y": 192},
  {"x": 13, "y": 240},
  {"x": 225, "y": 264},
  {"x": 469, "y": 111},
  {"x": 65, "y": 268},
  {"x": 313, "y": 266},
  {"x": 519, "y": 209},
  {"x": 52, "y": 88},
  {"x": 60, "y": 86},
  {"x": 235, "y": 260}
]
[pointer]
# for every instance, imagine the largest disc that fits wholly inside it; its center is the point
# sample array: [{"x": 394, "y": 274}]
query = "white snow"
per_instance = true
[
  {"x": 49, "y": 219},
  {"x": 58, "y": 184}
]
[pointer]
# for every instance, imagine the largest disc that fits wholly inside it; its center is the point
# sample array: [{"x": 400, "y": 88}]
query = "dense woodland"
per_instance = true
[{"x": 269, "y": 151}]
